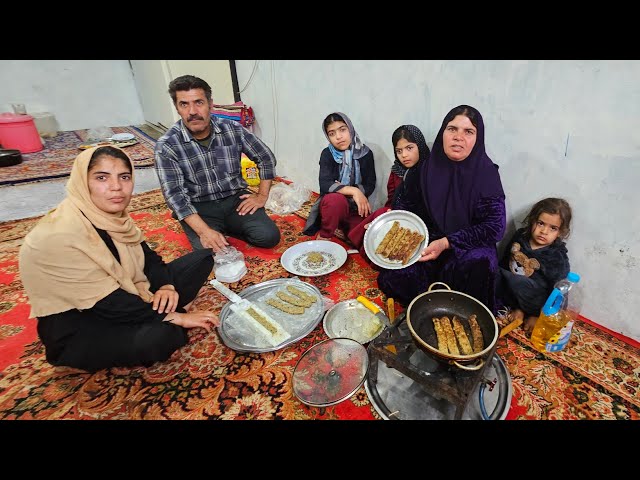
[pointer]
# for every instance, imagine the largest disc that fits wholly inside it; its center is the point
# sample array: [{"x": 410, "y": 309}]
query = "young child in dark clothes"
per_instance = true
[{"x": 535, "y": 259}]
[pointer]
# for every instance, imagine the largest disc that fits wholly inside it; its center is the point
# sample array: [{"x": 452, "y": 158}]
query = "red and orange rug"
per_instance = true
[{"x": 596, "y": 377}]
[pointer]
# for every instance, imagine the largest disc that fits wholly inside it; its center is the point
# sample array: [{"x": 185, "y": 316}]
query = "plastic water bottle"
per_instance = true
[{"x": 553, "y": 328}]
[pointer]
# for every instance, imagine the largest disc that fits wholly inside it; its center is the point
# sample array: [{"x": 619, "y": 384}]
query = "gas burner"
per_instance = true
[{"x": 404, "y": 382}]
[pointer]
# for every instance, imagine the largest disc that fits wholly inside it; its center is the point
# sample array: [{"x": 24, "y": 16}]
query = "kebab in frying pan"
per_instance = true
[
  {"x": 400, "y": 243},
  {"x": 450, "y": 335}
]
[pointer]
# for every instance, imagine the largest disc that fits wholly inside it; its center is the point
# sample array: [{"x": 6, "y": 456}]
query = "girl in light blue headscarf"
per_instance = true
[{"x": 347, "y": 178}]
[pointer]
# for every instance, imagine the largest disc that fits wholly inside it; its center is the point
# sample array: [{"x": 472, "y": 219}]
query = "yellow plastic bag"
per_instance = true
[{"x": 250, "y": 171}]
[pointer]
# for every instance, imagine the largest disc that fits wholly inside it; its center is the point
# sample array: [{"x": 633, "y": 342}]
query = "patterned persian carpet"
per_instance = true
[
  {"x": 596, "y": 377},
  {"x": 57, "y": 157}
]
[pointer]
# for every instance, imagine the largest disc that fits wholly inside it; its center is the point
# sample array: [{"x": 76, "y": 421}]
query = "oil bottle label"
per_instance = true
[{"x": 559, "y": 340}]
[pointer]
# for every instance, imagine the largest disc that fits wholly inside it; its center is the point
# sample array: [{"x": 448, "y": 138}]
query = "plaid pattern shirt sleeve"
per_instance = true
[
  {"x": 171, "y": 179},
  {"x": 189, "y": 172}
]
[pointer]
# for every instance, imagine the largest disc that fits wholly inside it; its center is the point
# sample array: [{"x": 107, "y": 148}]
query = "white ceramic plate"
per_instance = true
[
  {"x": 296, "y": 258},
  {"x": 381, "y": 226},
  {"x": 122, "y": 137}
]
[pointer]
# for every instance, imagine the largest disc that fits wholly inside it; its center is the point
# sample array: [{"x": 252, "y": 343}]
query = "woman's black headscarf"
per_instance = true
[{"x": 451, "y": 189}]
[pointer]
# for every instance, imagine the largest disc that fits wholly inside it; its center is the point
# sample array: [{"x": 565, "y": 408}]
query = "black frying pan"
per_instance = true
[{"x": 439, "y": 303}]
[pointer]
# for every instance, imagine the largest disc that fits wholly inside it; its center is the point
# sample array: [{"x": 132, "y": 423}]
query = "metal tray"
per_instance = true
[
  {"x": 381, "y": 226},
  {"x": 303, "y": 324},
  {"x": 394, "y": 395},
  {"x": 351, "y": 319}
]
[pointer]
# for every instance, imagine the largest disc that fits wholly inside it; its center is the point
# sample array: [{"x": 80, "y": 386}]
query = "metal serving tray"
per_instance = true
[{"x": 299, "y": 326}]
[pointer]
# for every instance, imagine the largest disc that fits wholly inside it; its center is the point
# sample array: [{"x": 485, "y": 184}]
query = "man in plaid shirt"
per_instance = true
[{"x": 198, "y": 165}]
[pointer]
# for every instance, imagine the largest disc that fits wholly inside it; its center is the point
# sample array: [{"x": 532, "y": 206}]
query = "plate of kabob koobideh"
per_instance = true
[{"x": 395, "y": 239}]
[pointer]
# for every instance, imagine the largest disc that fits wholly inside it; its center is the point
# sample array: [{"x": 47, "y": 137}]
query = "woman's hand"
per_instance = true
[
  {"x": 165, "y": 300},
  {"x": 434, "y": 249},
  {"x": 202, "y": 319}
]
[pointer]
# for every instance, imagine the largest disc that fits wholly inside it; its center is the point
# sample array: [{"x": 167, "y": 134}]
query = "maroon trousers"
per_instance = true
[
  {"x": 335, "y": 213},
  {"x": 356, "y": 235}
]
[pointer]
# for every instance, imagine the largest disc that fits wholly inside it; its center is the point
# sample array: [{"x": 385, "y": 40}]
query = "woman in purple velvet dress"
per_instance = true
[{"x": 459, "y": 195}]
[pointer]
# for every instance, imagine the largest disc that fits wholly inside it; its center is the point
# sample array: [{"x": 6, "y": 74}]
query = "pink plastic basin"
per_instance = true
[{"x": 19, "y": 132}]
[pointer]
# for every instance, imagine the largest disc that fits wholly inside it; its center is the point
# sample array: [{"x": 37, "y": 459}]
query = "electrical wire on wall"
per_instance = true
[
  {"x": 255, "y": 67},
  {"x": 274, "y": 97},
  {"x": 168, "y": 67}
]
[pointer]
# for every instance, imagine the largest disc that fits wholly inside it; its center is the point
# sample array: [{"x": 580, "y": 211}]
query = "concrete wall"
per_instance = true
[
  {"x": 556, "y": 128},
  {"x": 79, "y": 93}
]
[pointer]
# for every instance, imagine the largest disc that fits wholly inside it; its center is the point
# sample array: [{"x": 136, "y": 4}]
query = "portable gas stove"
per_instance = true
[{"x": 405, "y": 383}]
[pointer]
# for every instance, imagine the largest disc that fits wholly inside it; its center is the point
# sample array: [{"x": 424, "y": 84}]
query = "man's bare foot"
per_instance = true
[{"x": 529, "y": 323}]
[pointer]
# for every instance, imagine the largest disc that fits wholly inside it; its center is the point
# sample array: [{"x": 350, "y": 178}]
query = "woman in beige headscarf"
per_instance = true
[{"x": 102, "y": 297}]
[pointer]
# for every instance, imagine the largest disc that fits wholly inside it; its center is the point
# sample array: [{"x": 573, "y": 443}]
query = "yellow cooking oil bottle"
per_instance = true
[
  {"x": 555, "y": 323},
  {"x": 250, "y": 171}
]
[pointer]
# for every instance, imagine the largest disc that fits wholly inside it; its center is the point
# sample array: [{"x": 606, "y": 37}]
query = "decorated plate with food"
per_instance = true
[
  {"x": 313, "y": 258},
  {"x": 395, "y": 239}
]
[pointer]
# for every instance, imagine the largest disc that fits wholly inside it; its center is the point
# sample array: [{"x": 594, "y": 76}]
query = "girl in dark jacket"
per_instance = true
[{"x": 347, "y": 179}]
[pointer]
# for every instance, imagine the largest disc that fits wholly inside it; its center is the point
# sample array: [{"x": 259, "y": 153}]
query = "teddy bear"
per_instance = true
[{"x": 520, "y": 264}]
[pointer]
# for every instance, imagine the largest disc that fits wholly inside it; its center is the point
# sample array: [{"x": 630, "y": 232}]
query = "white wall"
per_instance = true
[
  {"x": 79, "y": 93},
  {"x": 217, "y": 73},
  {"x": 556, "y": 128},
  {"x": 152, "y": 78}
]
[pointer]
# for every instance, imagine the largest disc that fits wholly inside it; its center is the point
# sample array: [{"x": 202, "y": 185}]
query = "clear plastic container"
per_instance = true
[
  {"x": 46, "y": 124},
  {"x": 555, "y": 323},
  {"x": 229, "y": 265}
]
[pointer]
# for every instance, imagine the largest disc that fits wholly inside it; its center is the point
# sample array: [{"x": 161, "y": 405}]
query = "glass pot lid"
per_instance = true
[{"x": 330, "y": 372}]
